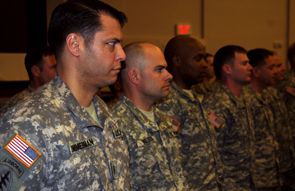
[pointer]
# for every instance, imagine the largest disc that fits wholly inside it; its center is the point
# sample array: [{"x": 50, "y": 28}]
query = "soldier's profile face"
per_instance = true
[
  {"x": 49, "y": 69},
  {"x": 156, "y": 79},
  {"x": 280, "y": 68},
  {"x": 266, "y": 73},
  {"x": 102, "y": 60},
  {"x": 241, "y": 69}
]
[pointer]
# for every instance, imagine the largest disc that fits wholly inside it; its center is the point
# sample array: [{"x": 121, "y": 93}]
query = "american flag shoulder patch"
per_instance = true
[
  {"x": 291, "y": 91},
  {"x": 217, "y": 122},
  {"x": 23, "y": 151},
  {"x": 175, "y": 123}
]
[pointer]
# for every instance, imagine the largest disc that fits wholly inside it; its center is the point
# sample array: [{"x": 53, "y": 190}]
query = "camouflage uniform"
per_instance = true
[
  {"x": 112, "y": 102},
  {"x": 155, "y": 162},
  {"x": 265, "y": 146},
  {"x": 205, "y": 89},
  {"x": 197, "y": 138},
  {"x": 14, "y": 100},
  {"x": 75, "y": 152},
  {"x": 287, "y": 88},
  {"x": 285, "y": 152},
  {"x": 235, "y": 138}
]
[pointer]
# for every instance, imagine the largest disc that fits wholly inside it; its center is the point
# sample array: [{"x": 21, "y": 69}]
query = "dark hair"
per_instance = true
[
  {"x": 81, "y": 17},
  {"x": 291, "y": 53},
  {"x": 257, "y": 56},
  {"x": 225, "y": 55},
  {"x": 35, "y": 57}
]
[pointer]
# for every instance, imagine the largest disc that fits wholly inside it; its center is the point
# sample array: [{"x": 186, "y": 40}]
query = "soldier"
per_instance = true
[
  {"x": 62, "y": 136},
  {"x": 266, "y": 175},
  {"x": 185, "y": 58},
  {"x": 231, "y": 118},
  {"x": 209, "y": 83},
  {"x": 152, "y": 141},
  {"x": 40, "y": 63},
  {"x": 287, "y": 88}
]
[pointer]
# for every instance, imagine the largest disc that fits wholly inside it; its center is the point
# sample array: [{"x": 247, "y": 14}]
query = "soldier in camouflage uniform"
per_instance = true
[
  {"x": 62, "y": 136},
  {"x": 287, "y": 88},
  {"x": 209, "y": 83},
  {"x": 155, "y": 162},
  {"x": 185, "y": 58},
  {"x": 232, "y": 119},
  {"x": 40, "y": 63},
  {"x": 263, "y": 75}
]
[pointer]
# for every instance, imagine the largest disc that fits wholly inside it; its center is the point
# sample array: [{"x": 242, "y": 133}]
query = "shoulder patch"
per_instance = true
[
  {"x": 6, "y": 180},
  {"x": 23, "y": 151},
  {"x": 83, "y": 145},
  {"x": 291, "y": 91},
  {"x": 217, "y": 122},
  {"x": 14, "y": 165},
  {"x": 175, "y": 123}
]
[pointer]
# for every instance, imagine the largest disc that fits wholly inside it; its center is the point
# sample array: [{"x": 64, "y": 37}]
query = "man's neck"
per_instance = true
[
  {"x": 257, "y": 86},
  {"x": 234, "y": 87}
]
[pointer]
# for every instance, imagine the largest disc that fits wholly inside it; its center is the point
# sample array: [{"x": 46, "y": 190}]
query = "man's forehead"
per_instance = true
[{"x": 241, "y": 56}]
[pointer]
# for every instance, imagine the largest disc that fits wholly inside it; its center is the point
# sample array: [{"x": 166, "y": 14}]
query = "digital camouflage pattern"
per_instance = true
[
  {"x": 235, "y": 139},
  {"x": 205, "y": 89},
  {"x": 155, "y": 162},
  {"x": 197, "y": 137},
  {"x": 287, "y": 89},
  {"x": 14, "y": 100},
  {"x": 285, "y": 152},
  {"x": 265, "y": 146},
  {"x": 52, "y": 121}
]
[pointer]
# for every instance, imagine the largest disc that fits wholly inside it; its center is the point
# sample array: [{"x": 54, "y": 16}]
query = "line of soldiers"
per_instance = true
[{"x": 160, "y": 134}]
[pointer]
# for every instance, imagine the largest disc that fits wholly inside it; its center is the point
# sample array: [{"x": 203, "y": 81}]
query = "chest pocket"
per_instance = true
[{"x": 143, "y": 149}]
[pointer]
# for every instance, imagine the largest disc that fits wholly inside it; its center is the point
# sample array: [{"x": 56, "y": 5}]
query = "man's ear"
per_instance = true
[
  {"x": 74, "y": 44},
  {"x": 227, "y": 69},
  {"x": 133, "y": 75},
  {"x": 35, "y": 70},
  {"x": 176, "y": 60}
]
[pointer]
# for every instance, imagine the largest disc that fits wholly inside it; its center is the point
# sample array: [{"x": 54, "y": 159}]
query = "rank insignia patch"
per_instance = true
[
  {"x": 118, "y": 133},
  {"x": 175, "y": 123},
  {"x": 291, "y": 91},
  {"x": 5, "y": 180},
  {"x": 23, "y": 151},
  {"x": 217, "y": 122}
]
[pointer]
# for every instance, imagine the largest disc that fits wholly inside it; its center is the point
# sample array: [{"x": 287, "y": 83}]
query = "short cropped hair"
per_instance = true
[
  {"x": 291, "y": 54},
  {"x": 225, "y": 55},
  {"x": 35, "y": 56},
  {"x": 257, "y": 56},
  {"x": 81, "y": 17}
]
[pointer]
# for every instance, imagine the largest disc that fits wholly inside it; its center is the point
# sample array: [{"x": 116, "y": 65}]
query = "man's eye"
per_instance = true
[{"x": 112, "y": 43}]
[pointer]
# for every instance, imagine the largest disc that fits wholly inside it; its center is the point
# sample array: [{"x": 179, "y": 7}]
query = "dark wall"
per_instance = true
[{"x": 22, "y": 25}]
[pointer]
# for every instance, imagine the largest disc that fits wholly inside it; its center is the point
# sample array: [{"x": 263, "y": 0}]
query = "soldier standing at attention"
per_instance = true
[
  {"x": 152, "y": 141},
  {"x": 62, "y": 136},
  {"x": 232, "y": 119},
  {"x": 263, "y": 75},
  {"x": 185, "y": 59}
]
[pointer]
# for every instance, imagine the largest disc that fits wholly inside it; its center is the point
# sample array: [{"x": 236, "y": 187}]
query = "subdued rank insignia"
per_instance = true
[
  {"x": 114, "y": 168},
  {"x": 291, "y": 91},
  {"x": 5, "y": 180},
  {"x": 83, "y": 144},
  {"x": 23, "y": 151},
  {"x": 148, "y": 140},
  {"x": 175, "y": 123},
  {"x": 118, "y": 133},
  {"x": 217, "y": 122},
  {"x": 13, "y": 164}
]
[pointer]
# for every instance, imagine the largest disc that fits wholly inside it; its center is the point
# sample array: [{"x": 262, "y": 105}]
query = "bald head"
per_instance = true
[{"x": 180, "y": 45}]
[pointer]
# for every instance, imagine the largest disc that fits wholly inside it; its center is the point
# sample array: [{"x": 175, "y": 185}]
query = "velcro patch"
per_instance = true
[
  {"x": 83, "y": 145},
  {"x": 291, "y": 91},
  {"x": 148, "y": 140},
  {"x": 217, "y": 122},
  {"x": 13, "y": 164},
  {"x": 118, "y": 133},
  {"x": 23, "y": 151},
  {"x": 175, "y": 123}
]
